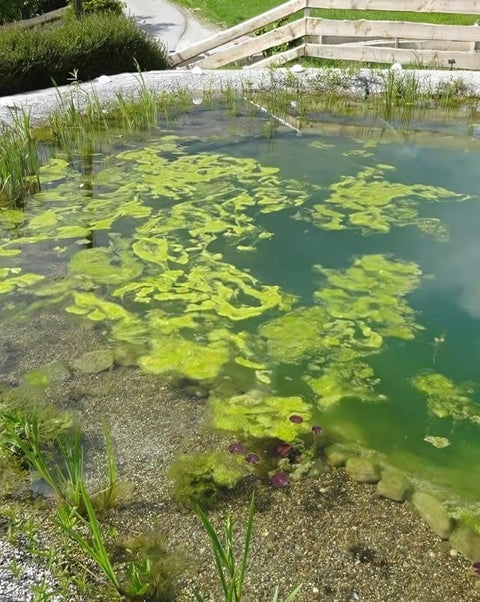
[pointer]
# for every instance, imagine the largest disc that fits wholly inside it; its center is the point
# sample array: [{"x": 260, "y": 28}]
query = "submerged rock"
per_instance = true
[
  {"x": 466, "y": 540},
  {"x": 56, "y": 371},
  {"x": 94, "y": 362},
  {"x": 433, "y": 513},
  {"x": 336, "y": 454},
  {"x": 127, "y": 355},
  {"x": 362, "y": 470},
  {"x": 394, "y": 486}
]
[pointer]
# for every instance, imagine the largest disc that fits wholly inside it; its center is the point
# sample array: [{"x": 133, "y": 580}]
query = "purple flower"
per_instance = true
[
  {"x": 280, "y": 479},
  {"x": 236, "y": 448},
  {"x": 296, "y": 419},
  {"x": 317, "y": 430},
  {"x": 284, "y": 449},
  {"x": 476, "y": 567},
  {"x": 252, "y": 459}
]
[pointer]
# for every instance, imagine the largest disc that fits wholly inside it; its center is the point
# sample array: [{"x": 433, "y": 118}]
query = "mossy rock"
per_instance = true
[
  {"x": 56, "y": 371},
  {"x": 393, "y": 486},
  {"x": 362, "y": 470},
  {"x": 336, "y": 454},
  {"x": 467, "y": 541},
  {"x": 433, "y": 513},
  {"x": 94, "y": 362}
]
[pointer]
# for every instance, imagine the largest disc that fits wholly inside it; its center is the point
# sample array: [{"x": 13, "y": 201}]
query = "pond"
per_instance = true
[{"x": 333, "y": 274}]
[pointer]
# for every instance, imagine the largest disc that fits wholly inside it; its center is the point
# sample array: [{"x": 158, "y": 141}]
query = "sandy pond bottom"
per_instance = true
[{"x": 335, "y": 536}]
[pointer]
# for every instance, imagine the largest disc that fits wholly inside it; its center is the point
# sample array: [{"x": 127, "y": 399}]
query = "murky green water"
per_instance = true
[{"x": 339, "y": 272}]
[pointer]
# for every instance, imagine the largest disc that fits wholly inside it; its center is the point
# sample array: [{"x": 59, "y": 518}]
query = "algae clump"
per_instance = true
[
  {"x": 445, "y": 398},
  {"x": 256, "y": 416},
  {"x": 200, "y": 478},
  {"x": 367, "y": 200}
]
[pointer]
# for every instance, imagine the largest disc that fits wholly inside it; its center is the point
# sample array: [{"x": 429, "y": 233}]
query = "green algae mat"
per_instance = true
[{"x": 332, "y": 277}]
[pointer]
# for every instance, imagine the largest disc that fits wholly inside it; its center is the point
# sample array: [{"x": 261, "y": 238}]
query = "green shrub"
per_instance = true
[
  {"x": 11, "y": 10},
  {"x": 98, "y": 44},
  {"x": 101, "y": 6}
]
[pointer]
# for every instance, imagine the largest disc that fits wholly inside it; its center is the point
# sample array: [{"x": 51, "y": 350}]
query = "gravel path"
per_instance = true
[{"x": 172, "y": 25}]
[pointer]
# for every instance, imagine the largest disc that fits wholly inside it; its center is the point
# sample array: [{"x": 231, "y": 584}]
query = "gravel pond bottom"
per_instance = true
[{"x": 334, "y": 536}]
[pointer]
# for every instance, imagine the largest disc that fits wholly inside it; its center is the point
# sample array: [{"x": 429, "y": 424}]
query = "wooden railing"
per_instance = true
[
  {"x": 53, "y": 15},
  {"x": 360, "y": 40}
]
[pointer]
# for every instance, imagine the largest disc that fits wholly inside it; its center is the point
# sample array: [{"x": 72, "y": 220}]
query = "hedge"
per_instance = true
[{"x": 31, "y": 59}]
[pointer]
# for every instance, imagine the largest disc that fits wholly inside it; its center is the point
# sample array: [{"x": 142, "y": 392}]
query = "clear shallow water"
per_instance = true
[{"x": 244, "y": 218}]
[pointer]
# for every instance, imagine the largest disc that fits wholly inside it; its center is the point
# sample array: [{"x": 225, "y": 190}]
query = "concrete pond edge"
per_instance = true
[{"x": 360, "y": 82}]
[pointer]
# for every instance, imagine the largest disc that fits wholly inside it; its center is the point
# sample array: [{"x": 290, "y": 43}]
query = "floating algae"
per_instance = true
[
  {"x": 445, "y": 398},
  {"x": 259, "y": 416},
  {"x": 367, "y": 200},
  {"x": 371, "y": 293}
]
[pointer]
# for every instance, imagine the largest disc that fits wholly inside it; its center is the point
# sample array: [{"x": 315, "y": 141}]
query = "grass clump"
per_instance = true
[
  {"x": 98, "y": 44},
  {"x": 58, "y": 459},
  {"x": 19, "y": 160}
]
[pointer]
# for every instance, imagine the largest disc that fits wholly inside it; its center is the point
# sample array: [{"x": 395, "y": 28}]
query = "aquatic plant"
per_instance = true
[
  {"x": 367, "y": 200},
  {"x": 371, "y": 293},
  {"x": 230, "y": 572},
  {"x": 340, "y": 380},
  {"x": 200, "y": 478},
  {"x": 155, "y": 564},
  {"x": 62, "y": 468},
  {"x": 445, "y": 398},
  {"x": 21, "y": 406},
  {"x": 19, "y": 160},
  {"x": 258, "y": 416}
]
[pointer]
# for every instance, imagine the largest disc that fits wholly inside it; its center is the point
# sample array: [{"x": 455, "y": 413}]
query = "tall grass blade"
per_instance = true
[
  {"x": 218, "y": 550},
  {"x": 292, "y": 595},
  {"x": 246, "y": 548}
]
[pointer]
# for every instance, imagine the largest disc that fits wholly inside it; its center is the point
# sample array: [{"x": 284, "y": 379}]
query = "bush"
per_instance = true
[
  {"x": 98, "y": 44},
  {"x": 11, "y": 10},
  {"x": 101, "y": 6}
]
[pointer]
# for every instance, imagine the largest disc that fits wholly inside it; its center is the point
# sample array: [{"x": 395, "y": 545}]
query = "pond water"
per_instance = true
[{"x": 335, "y": 275}]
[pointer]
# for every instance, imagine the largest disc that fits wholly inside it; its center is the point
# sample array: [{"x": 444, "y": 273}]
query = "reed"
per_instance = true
[
  {"x": 231, "y": 573},
  {"x": 19, "y": 161}
]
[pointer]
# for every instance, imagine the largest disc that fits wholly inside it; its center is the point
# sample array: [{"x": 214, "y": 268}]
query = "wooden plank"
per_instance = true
[
  {"x": 463, "y": 60},
  {"x": 279, "y": 59},
  {"x": 390, "y": 29},
  {"x": 233, "y": 33},
  {"x": 251, "y": 46},
  {"x": 459, "y": 7}
]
